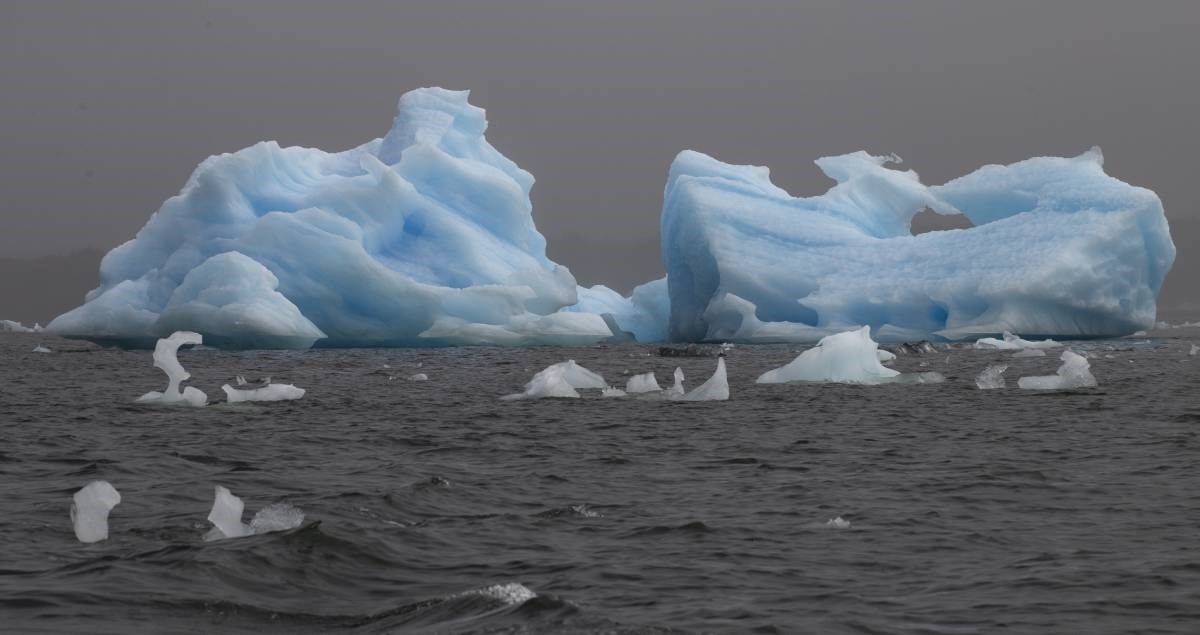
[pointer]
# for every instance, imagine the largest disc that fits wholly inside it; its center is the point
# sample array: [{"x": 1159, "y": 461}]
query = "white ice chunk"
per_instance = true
[
  {"x": 1194, "y": 351},
  {"x": 848, "y": 357},
  {"x": 885, "y": 356},
  {"x": 90, "y": 508},
  {"x": 642, "y": 383},
  {"x": 165, "y": 359},
  {"x": 838, "y": 523},
  {"x": 41, "y": 349},
  {"x": 609, "y": 391},
  {"x": 1012, "y": 342},
  {"x": 559, "y": 380},
  {"x": 270, "y": 392},
  {"x": 12, "y": 326},
  {"x": 1074, "y": 373},
  {"x": 1030, "y": 352},
  {"x": 992, "y": 377},
  {"x": 418, "y": 377},
  {"x": 676, "y": 390},
  {"x": 226, "y": 517},
  {"x": 715, "y": 389}
]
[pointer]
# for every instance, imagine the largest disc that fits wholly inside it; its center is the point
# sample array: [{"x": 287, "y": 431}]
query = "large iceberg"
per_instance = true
[
  {"x": 424, "y": 237},
  {"x": 1058, "y": 248}
]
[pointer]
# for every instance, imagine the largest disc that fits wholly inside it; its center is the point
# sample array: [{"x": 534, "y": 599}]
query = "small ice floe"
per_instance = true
[
  {"x": 1030, "y": 352},
  {"x": 418, "y": 377},
  {"x": 1195, "y": 350},
  {"x": 676, "y": 390},
  {"x": 226, "y": 517},
  {"x": 1074, "y": 373},
  {"x": 12, "y": 326},
  {"x": 270, "y": 392},
  {"x": 991, "y": 378},
  {"x": 716, "y": 388},
  {"x": 89, "y": 510},
  {"x": 726, "y": 346},
  {"x": 642, "y": 383},
  {"x": 41, "y": 349},
  {"x": 510, "y": 594},
  {"x": 164, "y": 358},
  {"x": 838, "y": 523},
  {"x": 559, "y": 380},
  {"x": 1012, "y": 342},
  {"x": 609, "y": 391},
  {"x": 849, "y": 357}
]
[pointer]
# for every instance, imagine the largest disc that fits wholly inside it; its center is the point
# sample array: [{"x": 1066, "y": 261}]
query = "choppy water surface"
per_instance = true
[{"x": 434, "y": 506}]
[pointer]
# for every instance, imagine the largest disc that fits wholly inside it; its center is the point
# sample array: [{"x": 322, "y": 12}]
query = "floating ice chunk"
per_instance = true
[
  {"x": 276, "y": 517},
  {"x": 716, "y": 388},
  {"x": 885, "y": 356},
  {"x": 418, "y": 377},
  {"x": 838, "y": 523},
  {"x": 12, "y": 326},
  {"x": 270, "y": 392},
  {"x": 41, "y": 349},
  {"x": 609, "y": 391},
  {"x": 559, "y": 380},
  {"x": 1030, "y": 352},
  {"x": 676, "y": 390},
  {"x": 1012, "y": 342},
  {"x": 89, "y": 510},
  {"x": 1074, "y": 373},
  {"x": 992, "y": 377},
  {"x": 642, "y": 383},
  {"x": 848, "y": 357},
  {"x": 1194, "y": 351},
  {"x": 165, "y": 359},
  {"x": 226, "y": 517}
]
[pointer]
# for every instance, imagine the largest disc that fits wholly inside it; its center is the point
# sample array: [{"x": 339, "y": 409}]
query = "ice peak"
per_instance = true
[{"x": 428, "y": 115}]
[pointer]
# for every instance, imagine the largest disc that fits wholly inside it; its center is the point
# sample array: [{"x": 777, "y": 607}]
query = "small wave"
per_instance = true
[
  {"x": 510, "y": 594},
  {"x": 578, "y": 511}
]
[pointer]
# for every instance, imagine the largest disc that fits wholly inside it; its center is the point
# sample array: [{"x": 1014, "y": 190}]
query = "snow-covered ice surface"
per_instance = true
[
  {"x": 424, "y": 237},
  {"x": 716, "y": 388},
  {"x": 992, "y": 377},
  {"x": 165, "y": 358},
  {"x": 1075, "y": 372},
  {"x": 1058, "y": 248},
  {"x": 270, "y": 392},
  {"x": 89, "y": 510}
]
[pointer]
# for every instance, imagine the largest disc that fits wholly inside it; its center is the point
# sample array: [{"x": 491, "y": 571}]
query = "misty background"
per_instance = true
[{"x": 106, "y": 107}]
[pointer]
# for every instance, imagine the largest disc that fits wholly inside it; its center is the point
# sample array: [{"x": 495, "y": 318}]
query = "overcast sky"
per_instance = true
[{"x": 106, "y": 107}]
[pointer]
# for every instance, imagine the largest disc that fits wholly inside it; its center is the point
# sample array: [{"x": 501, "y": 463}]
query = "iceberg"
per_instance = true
[
  {"x": 715, "y": 389},
  {"x": 991, "y": 378},
  {"x": 89, "y": 510},
  {"x": 849, "y": 357},
  {"x": 226, "y": 517},
  {"x": 12, "y": 326},
  {"x": 642, "y": 383},
  {"x": 1074, "y": 373},
  {"x": 1010, "y": 342},
  {"x": 424, "y": 237},
  {"x": 1058, "y": 248},
  {"x": 270, "y": 392},
  {"x": 165, "y": 359},
  {"x": 559, "y": 380}
]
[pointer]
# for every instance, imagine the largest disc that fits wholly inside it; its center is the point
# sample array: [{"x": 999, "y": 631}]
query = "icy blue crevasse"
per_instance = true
[
  {"x": 424, "y": 237},
  {"x": 1059, "y": 248}
]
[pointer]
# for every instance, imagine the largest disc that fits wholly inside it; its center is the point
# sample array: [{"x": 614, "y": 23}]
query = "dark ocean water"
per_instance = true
[{"x": 435, "y": 507}]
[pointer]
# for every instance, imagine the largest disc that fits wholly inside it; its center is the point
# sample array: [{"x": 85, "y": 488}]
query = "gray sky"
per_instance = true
[{"x": 106, "y": 106}]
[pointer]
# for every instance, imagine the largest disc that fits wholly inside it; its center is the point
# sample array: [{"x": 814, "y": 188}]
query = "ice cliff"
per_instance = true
[{"x": 424, "y": 237}]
